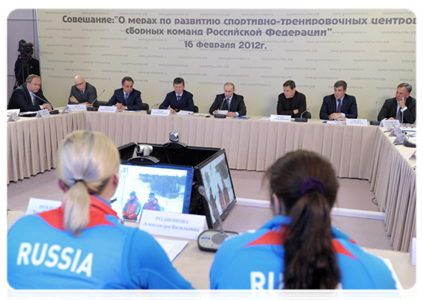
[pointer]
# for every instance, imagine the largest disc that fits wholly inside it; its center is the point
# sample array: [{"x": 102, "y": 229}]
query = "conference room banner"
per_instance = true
[{"x": 258, "y": 50}]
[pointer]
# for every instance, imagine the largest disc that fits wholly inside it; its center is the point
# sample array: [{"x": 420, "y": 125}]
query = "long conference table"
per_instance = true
[{"x": 363, "y": 152}]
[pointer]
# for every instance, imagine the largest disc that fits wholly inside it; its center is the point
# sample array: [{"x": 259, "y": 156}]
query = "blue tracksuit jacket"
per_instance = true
[
  {"x": 107, "y": 254},
  {"x": 254, "y": 260}
]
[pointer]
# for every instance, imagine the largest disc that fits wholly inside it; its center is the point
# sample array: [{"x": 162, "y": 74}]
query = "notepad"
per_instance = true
[
  {"x": 172, "y": 247},
  {"x": 184, "y": 113}
]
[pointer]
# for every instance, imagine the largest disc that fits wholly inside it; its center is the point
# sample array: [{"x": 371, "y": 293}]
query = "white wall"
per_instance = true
[{"x": 371, "y": 56}]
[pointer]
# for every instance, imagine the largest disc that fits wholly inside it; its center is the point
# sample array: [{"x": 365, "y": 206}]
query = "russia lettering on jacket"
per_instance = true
[{"x": 54, "y": 256}]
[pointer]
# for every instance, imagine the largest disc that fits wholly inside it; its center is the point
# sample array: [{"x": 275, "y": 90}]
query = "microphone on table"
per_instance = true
[
  {"x": 92, "y": 103},
  {"x": 53, "y": 111},
  {"x": 221, "y": 116},
  {"x": 376, "y": 123},
  {"x": 301, "y": 119},
  {"x": 44, "y": 100},
  {"x": 149, "y": 111},
  {"x": 211, "y": 239}
]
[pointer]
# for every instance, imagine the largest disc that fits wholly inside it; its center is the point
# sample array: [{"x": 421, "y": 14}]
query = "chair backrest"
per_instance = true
[
  {"x": 307, "y": 115},
  {"x": 195, "y": 109},
  {"x": 101, "y": 103},
  {"x": 145, "y": 106}
]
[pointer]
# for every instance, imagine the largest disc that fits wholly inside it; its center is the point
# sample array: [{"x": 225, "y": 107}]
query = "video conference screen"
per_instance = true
[
  {"x": 156, "y": 187},
  {"x": 216, "y": 179}
]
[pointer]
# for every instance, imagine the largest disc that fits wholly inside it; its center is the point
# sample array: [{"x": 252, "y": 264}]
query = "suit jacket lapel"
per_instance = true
[
  {"x": 394, "y": 108},
  {"x": 129, "y": 98},
  {"x": 233, "y": 102},
  {"x": 344, "y": 103},
  {"x": 28, "y": 97},
  {"x": 182, "y": 100},
  {"x": 334, "y": 105}
]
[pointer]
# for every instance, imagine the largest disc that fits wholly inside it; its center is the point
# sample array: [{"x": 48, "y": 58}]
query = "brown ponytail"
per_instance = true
[{"x": 309, "y": 261}]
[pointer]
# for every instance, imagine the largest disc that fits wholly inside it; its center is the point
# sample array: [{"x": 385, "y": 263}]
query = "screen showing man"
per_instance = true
[
  {"x": 132, "y": 208},
  {"x": 152, "y": 203},
  {"x": 165, "y": 188},
  {"x": 215, "y": 177}
]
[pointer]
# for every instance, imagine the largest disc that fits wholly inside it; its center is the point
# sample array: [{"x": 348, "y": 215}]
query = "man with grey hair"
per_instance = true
[{"x": 402, "y": 107}]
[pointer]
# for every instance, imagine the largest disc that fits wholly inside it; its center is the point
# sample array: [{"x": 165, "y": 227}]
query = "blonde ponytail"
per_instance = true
[{"x": 87, "y": 160}]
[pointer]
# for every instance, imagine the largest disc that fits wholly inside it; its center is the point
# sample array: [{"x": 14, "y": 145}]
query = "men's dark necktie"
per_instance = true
[
  {"x": 178, "y": 98},
  {"x": 398, "y": 116},
  {"x": 339, "y": 105},
  {"x": 227, "y": 103},
  {"x": 34, "y": 100},
  {"x": 126, "y": 99}
]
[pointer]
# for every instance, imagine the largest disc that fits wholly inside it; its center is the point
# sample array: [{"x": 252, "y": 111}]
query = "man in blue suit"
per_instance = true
[
  {"x": 229, "y": 101},
  {"x": 126, "y": 98},
  {"x": 29, "y": 96},
  {"x": 339, "y": 106},
  {"x": 179, "y": 99}
]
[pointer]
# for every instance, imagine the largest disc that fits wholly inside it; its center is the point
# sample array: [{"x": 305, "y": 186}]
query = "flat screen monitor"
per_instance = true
[
  {"x": 214, "y": 175},
  {"x": 156, "y": 187}
]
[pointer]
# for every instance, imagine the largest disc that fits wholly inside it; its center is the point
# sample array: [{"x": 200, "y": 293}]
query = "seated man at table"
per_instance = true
[
  {"x": 82, "y": 92},
  {"x": 179, "y": 99},
  {"x": 339, "y": 105},
  {"x": 29, "y": 96},
  {"x": 401, "y": 108},
  {"x": 229, "y": 101},
  {"x": 126, "y": 98},
  {"x": 291, "y": 102}
]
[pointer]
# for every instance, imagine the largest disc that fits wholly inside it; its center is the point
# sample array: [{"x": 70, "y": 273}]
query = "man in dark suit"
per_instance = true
[
  {"x": 339, "y": 105},
  {"x": 126, "y": 98},
  {"x": 291, "y": 102},
  {"x": 229, "y": 101},
  {"x": 179, "y": 99},
  {"x": 82, "y": 92},
  {"x": 401, "y": 108},
  {"x": 29, "y": 96}
]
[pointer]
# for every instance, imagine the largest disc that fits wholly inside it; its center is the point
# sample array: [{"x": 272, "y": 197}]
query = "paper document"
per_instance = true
[
  {"x": 172, "y": 247},
  {"x": 334, "y": 122},
  {"x": 408, "y": 128},
  {"x": 185, "y": 113},
  {"x": 388, "y": 263},
  {"x": 28, "y": 113},
  {"x": 412, "y": 139}
]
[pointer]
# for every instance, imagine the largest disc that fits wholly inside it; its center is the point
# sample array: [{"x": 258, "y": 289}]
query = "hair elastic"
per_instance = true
[
  {"x": 312, "y": 183},
  {"x": 79, "y": 180}
]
